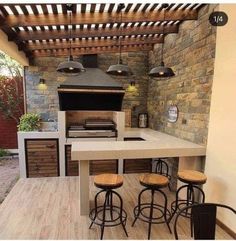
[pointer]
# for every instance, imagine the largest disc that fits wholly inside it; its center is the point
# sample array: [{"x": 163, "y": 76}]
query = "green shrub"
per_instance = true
[
  {"x": 29, "y": 122},
  {"x": 3, "y": 152}
]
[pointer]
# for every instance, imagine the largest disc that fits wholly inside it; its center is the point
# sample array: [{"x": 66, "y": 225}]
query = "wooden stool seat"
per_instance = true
[
  {"x": 191, "y": 176},
  {"x": 153, "y": 180},
  {"x": 108, "y": 180}
]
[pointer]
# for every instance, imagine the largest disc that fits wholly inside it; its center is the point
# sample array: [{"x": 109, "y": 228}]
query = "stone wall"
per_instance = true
[
  {"x": 45, "y": 101},
  {"x": 191, "y": 54}
]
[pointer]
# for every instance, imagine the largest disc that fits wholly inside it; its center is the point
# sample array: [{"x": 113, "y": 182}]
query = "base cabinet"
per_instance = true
[
  {"x": 42, "y": 157},
  {"x": 96, "y": 167}
]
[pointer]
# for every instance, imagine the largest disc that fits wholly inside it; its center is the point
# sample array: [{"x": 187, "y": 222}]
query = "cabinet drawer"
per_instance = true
[
  {"x": 96, "y": 167},
  {"x": 42, "y": 157}
]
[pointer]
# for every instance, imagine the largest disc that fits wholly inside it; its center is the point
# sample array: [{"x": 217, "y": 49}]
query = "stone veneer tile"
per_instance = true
[
  {"x": 46, "y": 101},
  {"x": 191, "y": 54}
]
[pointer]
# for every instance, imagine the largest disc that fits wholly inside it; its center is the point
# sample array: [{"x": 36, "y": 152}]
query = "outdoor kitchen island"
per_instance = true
[{"x": 156, "y": 144}]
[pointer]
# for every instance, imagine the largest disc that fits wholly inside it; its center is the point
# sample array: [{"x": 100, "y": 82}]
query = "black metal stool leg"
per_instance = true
[
  {"x": 111, "y": 205},
  {"x": 165, "y": 210},
  {"x": 191, "y": 225},
  {"x": 139, "y": 210},
  {"x": 192, "y": 196},
  {"x": 104, "y": 214},
  {"x": 176, "y": 202},
  {"x": 121, "y": 213},
  {"x": 151, "y": 214},
  {"x": 96, "y": 205}
]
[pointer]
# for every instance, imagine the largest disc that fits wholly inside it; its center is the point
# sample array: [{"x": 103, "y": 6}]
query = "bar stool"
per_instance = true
[
  {"x": 108, "y": 214},
  {"x": 192, "y": 179},
  {"x": 153, "y": 183},
  {"x": 162, "y": 168}
]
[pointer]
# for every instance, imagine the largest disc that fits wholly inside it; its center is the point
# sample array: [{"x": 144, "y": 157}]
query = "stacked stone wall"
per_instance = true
[
  {"x": 45, "y": 101},
  {"x": 191, "y": 54}
]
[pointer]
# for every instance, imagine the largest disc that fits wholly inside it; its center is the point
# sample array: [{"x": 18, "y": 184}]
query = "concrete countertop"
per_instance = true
[
  {"x": 38, "y": 134},
  {"x": 153, "y": 135},
  {"x": 156, "y": 144}
]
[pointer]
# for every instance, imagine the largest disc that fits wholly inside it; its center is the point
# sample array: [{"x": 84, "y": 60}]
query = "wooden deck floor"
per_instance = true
[{"x": 48, "y": 208}]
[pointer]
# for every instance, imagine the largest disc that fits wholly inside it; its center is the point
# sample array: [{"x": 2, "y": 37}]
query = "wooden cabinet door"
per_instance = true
[
  {"x": 137, "y": 165},
  {"x": 72, "y": 167},
  {"x": 103, "y": 166},
  {"x": 42, "y": 157},
  {"x": 95, "y": 167}
]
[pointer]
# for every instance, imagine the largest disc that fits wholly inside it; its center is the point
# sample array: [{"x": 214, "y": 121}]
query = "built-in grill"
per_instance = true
[
  {"x": 91, "y": 90},
  {"x": 93, "y": 128}
]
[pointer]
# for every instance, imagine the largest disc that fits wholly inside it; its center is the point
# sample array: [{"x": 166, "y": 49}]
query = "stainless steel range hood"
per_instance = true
[{"x": 91, "y": 90}]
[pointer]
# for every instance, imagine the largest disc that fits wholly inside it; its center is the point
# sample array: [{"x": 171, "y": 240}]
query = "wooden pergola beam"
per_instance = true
[
  {"x": 82, "y": 51},
  {"x": 87, "y": 33},
  {"x": 93, "y": 43},
  {"x": 97, "y": 18}
]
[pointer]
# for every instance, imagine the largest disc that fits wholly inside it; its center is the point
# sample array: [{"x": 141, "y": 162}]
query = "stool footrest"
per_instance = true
[
  {"x": 139, "y": 213},
  {"x": 96, "y": 216}
]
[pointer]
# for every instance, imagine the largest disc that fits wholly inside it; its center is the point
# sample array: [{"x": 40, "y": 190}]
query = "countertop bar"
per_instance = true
[{"x": 156, "y": 144}]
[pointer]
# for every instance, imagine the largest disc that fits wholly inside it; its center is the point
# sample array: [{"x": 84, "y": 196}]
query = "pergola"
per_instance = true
[{"x": 43, "y": 29}]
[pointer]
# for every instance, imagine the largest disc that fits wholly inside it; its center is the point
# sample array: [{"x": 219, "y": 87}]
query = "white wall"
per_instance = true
[
  {"x": 11, "y": 49},
  {"x": 221, "y": 148}
]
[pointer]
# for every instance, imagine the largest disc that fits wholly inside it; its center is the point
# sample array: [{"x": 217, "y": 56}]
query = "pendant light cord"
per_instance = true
[
  {"x": 163, "y": 33},
  {"x": 120, "y": 61},
  {"x": 70, "y": 34}
]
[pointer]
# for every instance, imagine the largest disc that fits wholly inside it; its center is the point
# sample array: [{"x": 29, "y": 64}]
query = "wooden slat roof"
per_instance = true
[{"x": 43, "y": 29}]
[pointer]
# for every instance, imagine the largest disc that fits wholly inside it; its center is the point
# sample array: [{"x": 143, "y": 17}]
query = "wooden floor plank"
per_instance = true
[{"x": 48, "y": 208}]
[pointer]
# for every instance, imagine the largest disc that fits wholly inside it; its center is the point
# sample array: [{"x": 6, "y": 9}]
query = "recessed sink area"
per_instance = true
[{"x": 134, "y": 139}]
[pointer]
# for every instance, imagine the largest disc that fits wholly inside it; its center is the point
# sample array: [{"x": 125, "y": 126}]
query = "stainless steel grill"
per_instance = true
[{"x": 93, "y": 128}]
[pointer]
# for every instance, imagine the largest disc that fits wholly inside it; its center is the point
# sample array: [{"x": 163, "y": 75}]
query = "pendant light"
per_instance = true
[
  {"x": 120, "y": 68},
  {"x": 162, "y": 71},
  {"x": 70, "y": 67}
]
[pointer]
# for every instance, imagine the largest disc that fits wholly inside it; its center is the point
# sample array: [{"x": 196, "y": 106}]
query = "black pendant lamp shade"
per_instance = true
[
  {"x": 70, "y": 67},
  {"x": 120, "y": 68},
  {"x": 162, "y": 71}
]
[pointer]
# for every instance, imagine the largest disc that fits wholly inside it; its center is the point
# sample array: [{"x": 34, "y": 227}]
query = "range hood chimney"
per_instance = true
[
  {"x": 91, "y": 90},
  {"x": 90, "y": 61}
]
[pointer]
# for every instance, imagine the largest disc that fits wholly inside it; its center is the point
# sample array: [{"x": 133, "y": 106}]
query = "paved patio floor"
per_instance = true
[{"x": 9, "y": 174}]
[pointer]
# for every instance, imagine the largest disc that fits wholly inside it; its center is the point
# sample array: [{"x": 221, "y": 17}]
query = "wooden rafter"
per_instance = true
[
  {"x": 96, "y": 18},
  {"x": 43, "y": 29},
  {"x": 82, "y": 51},
  {"x": 87, "y": 33},
  {"x": 93, "y": 43}
]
